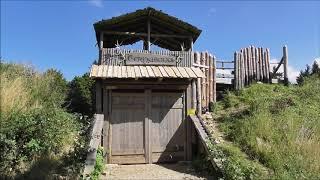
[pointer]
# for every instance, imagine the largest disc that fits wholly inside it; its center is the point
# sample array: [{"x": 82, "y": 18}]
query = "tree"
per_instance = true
[
  {"x": 315, "y": 68},
  {"x": 81, "y": 95}
]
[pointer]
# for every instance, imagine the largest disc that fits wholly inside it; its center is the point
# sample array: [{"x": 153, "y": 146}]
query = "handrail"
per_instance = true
[{"x": 95, "y": 140}]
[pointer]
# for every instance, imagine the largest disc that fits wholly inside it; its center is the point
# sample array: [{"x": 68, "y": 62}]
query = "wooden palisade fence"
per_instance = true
[
  {"x": 252, "y": 64},
  {"x": 204, "y": 89}
]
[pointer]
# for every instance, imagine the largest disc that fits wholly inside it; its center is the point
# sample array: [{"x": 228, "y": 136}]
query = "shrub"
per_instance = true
[
  {"x": 33, "y": 124},
  {"x": 81, "y": 95},
  {"x": 99, "y": 166}
]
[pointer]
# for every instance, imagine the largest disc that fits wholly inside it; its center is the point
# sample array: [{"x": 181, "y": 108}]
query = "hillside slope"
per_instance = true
[{"x": 276, "y": 125}]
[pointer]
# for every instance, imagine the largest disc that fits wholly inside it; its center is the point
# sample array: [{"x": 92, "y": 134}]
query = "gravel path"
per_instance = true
[{"x": 179, "y": 170}]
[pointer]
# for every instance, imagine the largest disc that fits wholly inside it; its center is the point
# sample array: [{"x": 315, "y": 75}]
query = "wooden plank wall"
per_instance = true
[
  {"x": 205, "y": 87},
  {"x": 251, "y": 64},
  {"x": 113, "y": 56}
]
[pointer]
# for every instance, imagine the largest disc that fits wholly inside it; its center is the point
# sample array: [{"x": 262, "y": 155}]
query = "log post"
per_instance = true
[
  {"x": 203, "y": 81},
  {"x": 210, "y": 78},
  {"x": 253, "y": 63},
  {"x": 197, "y": 60},
  {"x": 207, "y": 79},
  {"x": 257, "y": 63},
  {"x": 268, "y": 66},
  {"x": 245, "y": 66},
  {"x": 260, "y": 64},
  {"x": 214, "y": 85},
  {"x": 236, "y": 71},
  {"x": 285, "y": 65},
  {"x": 242, "y": 69}
]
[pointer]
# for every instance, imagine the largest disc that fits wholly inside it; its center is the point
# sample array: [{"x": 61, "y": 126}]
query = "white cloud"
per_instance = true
[
  {"x": 212, "y": 11},
  {"x": 292, "y": 72},
  {"x": 317, "y": 60},
  {"x": 96, "y": 3}
]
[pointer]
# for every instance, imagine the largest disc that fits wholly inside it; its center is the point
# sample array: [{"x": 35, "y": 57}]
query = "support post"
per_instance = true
[
  {"x": 191, "y": 44},
  {"x": 285, "y": 65},
  {"x": 101, "y": 47},
  {"x": 214, "y": 85},
  {"x": 149, "y": 33}
]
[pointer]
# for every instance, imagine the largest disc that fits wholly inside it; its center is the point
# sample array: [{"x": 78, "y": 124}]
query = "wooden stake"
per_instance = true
[
  {"x": 197, "y": 59},
  {"x": 285, "y": 65},
  {"x": 236, "y": 71},
  {"x": 214, "y": 85}
]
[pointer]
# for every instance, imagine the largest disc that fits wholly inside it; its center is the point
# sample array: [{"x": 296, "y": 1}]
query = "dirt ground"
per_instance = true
[{"x": 181, "y": 170}]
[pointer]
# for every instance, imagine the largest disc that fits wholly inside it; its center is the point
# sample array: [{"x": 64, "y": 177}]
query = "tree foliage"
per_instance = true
[
  {"x": 81, "y": 95},
  {"x": 315, "y": 69}
]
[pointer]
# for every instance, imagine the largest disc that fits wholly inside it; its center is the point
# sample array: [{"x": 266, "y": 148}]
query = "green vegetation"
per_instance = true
[
  {"x": 276, "y": 125},
  {"x": 99, "y": 166},
  {"x": 80, "y": 97},
  {"x": 36, "y": 133},
  {"x": 234, "y": 163}
]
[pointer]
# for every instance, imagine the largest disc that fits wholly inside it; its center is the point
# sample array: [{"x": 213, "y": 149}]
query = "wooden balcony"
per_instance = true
[{"x": 118, "y": 57}]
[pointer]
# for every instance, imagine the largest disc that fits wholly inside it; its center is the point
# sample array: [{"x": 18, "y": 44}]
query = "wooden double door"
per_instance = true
[{"x": 146, "y": 127}]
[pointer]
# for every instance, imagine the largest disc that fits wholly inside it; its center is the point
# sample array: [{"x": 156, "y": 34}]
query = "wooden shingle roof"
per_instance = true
[
  {"x": 161, "y": 23},
  {"x": 105, "y": 72}
]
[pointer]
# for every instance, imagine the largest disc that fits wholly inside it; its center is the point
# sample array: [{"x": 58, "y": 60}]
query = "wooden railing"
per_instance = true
[{"x": 116, "y": 57}]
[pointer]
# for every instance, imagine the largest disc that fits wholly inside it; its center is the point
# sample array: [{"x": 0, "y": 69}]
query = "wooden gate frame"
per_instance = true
[{"x": 103, "y": 105}]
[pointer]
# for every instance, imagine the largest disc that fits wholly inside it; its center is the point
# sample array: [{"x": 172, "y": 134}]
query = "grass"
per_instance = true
[{"x": 278, "y": 126}]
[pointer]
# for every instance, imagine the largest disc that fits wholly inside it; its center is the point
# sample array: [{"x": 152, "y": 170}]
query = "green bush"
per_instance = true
[
  {"x": 80, "y": 98},
  {"x": 33, "y": 123}
]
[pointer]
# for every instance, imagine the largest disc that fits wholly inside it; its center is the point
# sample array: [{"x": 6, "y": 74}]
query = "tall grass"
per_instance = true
[{"x": 280, "y": 127}]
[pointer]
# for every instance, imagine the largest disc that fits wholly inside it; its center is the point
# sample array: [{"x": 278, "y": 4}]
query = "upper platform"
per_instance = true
[{"x": 150, "y": 25}]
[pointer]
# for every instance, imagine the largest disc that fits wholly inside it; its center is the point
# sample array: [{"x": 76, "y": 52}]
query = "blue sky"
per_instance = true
[{"x": 60, "y": 34}]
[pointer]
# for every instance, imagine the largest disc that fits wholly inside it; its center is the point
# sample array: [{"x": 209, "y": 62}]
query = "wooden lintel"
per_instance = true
[{"x": 144, "y": 34}]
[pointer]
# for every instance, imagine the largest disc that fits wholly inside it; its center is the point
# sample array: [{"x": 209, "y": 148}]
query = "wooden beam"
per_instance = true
[{"x": 145, "y": 34}]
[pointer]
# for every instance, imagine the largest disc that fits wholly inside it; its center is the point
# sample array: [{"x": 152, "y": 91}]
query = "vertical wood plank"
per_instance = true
[
  {"x": 110, "y": 128},
  {"x": 106, "y": 122},
  {"x": 98, "y": 97},
  {"x": 148, "y": 126}
]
